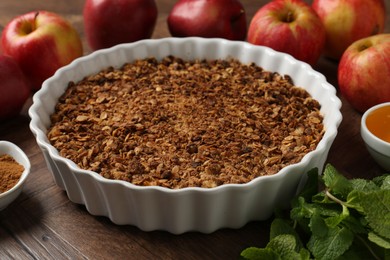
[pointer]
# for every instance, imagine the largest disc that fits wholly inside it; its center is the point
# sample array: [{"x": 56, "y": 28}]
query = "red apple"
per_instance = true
[
  {"x": 364, "y": 72},
  {"x": 108, "y": 23},
  {"x": 208, "y": 18},
  {"x": 14, "y": 90},
  {"x": 289, "y": 26},
  {"x": 41, "y": 42},
  {"x": 347, "y": 21}
]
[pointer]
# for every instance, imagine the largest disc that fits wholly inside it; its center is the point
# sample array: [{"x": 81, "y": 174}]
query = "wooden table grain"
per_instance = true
[{"x": 43, "y": 224}]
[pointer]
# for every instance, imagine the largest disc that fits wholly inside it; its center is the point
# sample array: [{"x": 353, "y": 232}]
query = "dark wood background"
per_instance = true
[{"x": 43, "y": 224}]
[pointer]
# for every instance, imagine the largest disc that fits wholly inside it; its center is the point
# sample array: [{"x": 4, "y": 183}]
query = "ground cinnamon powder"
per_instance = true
[{"x": 10, "y": 172}]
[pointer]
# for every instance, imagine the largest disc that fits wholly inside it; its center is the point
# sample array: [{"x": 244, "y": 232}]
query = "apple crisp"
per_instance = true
[{"x": 177, "y": 123}]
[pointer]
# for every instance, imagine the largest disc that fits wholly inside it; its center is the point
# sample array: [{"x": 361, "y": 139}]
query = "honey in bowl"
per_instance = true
[{"x": 378, "y": 123}]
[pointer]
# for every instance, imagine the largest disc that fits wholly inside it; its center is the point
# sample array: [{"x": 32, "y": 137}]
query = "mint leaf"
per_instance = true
[
  {"x": 364, "y": 185},
  {"x": 357, "y": 252},
  {"x": 376, "y": 206},
  {"x": 304, "y": 254},
  {"x": 356, "y": 224},
  {"x": 282, "y": 247},
  {"x": 286, "y": 247},
  {"x": 321, "y": 198},
  {"x": 335, "y": 182},
  {"x": 386, "y": 183},
  {"x": 334, "y": 244},
  {"x": 380, "y": 241},
  {"x": 303, "y": 209},
  {"x": 318, "y": 226},
  {"x": 306, "y": 210},
  {"x": 353, "y": 201},
  {"x": 254, "y": 253},
  {"x": 281, "y": 226},
  {"x": 382, "y": 181},
  {"x": 336, "y": 220}
]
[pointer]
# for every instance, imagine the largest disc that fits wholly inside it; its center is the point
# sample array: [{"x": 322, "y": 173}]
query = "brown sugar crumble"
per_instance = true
[
  {"x": 177, "y": 123},
  {"x": 10, "y": 172}
]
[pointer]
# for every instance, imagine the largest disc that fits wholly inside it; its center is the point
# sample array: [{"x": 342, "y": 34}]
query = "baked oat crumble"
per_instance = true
[{"x": 177, "y": 123}]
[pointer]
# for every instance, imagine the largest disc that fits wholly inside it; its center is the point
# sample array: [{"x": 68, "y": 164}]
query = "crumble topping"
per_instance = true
[{"x": 177, "y": 123}]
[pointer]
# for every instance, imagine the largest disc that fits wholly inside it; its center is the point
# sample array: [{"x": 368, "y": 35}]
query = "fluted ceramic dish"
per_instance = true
[
  {"x": 188, "y": 209},
  {"x": 20, "y": 157}
]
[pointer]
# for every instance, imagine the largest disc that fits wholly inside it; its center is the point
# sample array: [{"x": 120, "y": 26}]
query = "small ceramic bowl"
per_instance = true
[
  {"x": 10, "y": 195},
  {"x": 374, "y": 130}
]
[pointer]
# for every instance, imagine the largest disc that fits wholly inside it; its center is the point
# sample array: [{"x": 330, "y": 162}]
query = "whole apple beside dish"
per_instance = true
[
  {"x": 364, "y": 72},
  {"x": 14, "y": 90},
  {"x": 41, "y": 42},
  {"x": 347, "y": 21},
  {"x": 108, "y": 23},
  {"x": 289, "y": 26},
  {"x": 208, "y": 18}
]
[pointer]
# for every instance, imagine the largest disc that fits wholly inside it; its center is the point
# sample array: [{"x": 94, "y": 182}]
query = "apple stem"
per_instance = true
[
  {"x": 287, "y": 16},
  {"x": 290, "y": 17},
  {"x": 34, "y": 25},
  {"x": 363, "y": 47},
  {"x": 237, "y": 17}
]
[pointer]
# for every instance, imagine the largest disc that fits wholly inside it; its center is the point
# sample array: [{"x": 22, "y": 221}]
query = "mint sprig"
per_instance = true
[{"x": 332, "y": 218}]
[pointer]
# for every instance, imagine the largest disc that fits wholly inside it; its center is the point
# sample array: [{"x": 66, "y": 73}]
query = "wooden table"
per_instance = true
[{"x": 42, "y": 223}]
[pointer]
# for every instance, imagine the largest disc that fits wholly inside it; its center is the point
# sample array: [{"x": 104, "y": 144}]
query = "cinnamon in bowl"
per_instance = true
[
  {"x": 14, "y": 169},
  {"x": 10, "y": 172}
]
